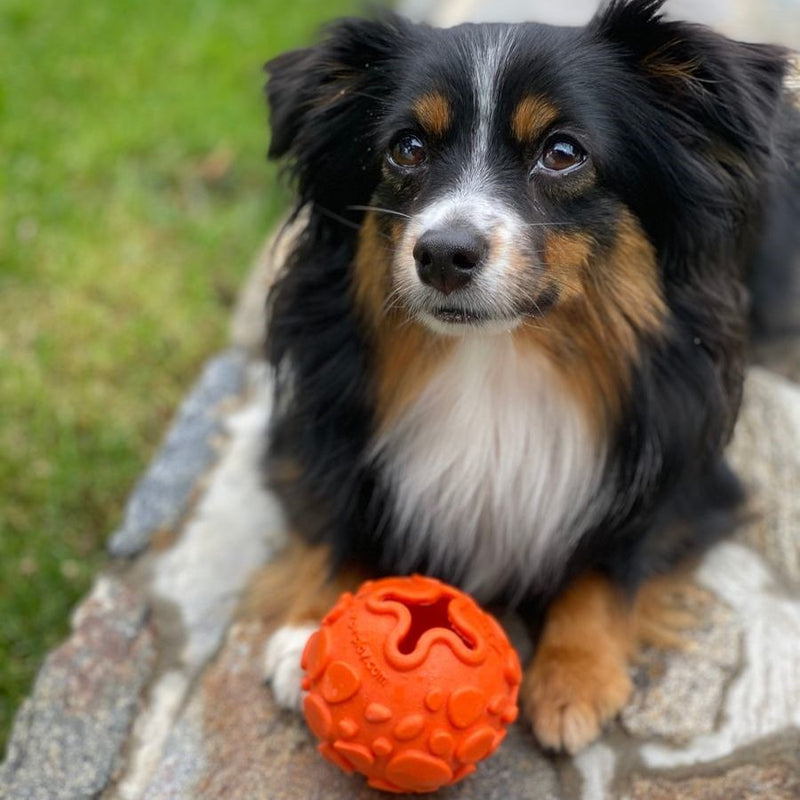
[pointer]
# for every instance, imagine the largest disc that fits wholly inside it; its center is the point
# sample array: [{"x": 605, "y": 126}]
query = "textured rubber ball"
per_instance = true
[{"x": 410, "y": 683}]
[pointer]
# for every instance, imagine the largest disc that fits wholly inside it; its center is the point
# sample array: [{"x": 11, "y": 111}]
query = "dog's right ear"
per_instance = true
[
  {"x": 288, "y": 91},
  {"x": 325, "y": 102}
]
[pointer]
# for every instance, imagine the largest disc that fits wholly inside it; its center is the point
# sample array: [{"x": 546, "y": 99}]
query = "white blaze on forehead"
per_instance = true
[
  {"x": 490, "y": 60},
  {"x": 466, "y": 209},
  {"x": 471, "y": 199}
]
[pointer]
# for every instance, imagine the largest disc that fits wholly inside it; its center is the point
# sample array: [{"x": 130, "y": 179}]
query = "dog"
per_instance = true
[{"x": 510, "y": 338}]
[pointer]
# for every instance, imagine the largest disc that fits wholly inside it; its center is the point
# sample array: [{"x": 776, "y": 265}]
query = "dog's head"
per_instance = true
[{"x": 500, "y": 174}]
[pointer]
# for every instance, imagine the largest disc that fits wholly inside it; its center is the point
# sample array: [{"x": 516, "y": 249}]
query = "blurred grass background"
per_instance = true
[{"x": 133, "y": 195}]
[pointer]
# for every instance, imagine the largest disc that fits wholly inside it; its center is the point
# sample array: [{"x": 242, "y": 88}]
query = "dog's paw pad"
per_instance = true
[
  {"x": 282, "y": 668},
  {"x": 568, "y": 695}
]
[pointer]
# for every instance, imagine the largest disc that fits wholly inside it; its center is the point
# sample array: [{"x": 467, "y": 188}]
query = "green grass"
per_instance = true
[{"x": 133, "y": 195}]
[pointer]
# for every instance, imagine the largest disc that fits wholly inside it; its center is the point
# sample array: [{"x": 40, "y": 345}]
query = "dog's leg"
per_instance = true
[
  {"x": 578, "y": 678},
  {"x": 291, "y": 595}
]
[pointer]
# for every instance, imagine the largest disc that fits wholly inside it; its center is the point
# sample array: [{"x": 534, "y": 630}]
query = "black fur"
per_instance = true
[{"x": 693, "y": 133}]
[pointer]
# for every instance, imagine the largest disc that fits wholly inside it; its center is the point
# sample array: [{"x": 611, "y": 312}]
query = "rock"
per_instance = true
[
  {"x": 763, "y": 697},
  {"x": 517, "y": 770},
  {"x": 766, "y": 453},
  {"x": 773, "y": 781},
  {"x": 196, "y": 583},
  {"x": 234, "y": 743},
  {"x": 679, "y": 693},
  {"x": 769, "y": 772},
  {"x": 163, "y": 494},
  {"x": 68, "y": 738},
  {"x": 235, "y": 526}
]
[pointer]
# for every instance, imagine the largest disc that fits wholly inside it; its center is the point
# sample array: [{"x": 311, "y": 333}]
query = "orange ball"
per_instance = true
[{"x": 409, "y": 682}]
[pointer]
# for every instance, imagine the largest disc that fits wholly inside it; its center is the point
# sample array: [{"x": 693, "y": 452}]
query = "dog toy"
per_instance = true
[{"x": 410, "y": 683}]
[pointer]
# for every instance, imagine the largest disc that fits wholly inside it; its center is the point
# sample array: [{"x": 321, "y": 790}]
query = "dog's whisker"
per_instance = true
[
  {"x": 367, "y": 95},
  {"x": 382, "y": 210},
  {"x": 548, "y": 224},
  {"x": 350, "y": 223},
  {"x": 528, "y": 322},
  {"x": 338, "y": 218}
]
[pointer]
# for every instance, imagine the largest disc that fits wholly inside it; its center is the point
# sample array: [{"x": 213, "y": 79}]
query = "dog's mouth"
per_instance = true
[
  {"x": 458, "y": 316},
  {"x": 453, "y": 316},
  {"x": 454, "y": 321}
]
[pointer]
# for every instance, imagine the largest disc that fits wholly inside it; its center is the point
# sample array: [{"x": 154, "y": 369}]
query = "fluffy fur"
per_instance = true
[
  {"x": 490, "y": 464},
  {"x": 559, "y": 402}
]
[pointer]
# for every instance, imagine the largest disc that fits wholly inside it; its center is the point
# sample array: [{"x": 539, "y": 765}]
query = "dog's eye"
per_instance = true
[
  {"x": 561, "y": 153},
  {"x": 407, "y": 151}
]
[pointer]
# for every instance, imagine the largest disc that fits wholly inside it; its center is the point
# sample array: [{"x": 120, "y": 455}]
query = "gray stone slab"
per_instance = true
[
  {"x": 766, "y": 452},
  {"x": 233, "y": 743},
  {"x": 68, "y": 737},
  {"x": 763, "y": 696},
  {"x": 680, "y": 692},
  {"x": 196, "y": 582},
  {"x": 164, "y": 493},
  {"x": 768, "y": 771},
  {"x": 771, "y": 781}
]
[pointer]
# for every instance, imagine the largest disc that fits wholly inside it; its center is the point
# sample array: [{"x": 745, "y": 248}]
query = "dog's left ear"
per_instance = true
[
  {"x": 732, "y": 89},
  {"x": 324, "y": 102}
]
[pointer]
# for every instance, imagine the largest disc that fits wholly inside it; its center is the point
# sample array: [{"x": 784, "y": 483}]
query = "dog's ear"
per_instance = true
[
  {"x": 288, "y": 91},
  {"x": 325, "y": 100},
  {"x": 732, "y": 89}
]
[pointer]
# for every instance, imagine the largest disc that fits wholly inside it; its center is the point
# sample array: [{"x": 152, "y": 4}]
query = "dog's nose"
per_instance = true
[{"x": 447, "y": 259}]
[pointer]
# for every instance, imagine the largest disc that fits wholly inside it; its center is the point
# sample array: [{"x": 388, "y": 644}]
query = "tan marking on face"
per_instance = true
[
  {"x": 372, "y": 274},
  {"x": 405, "y": 354},
  {"x": 532, "y": 117},
  {"x": 567, "y": 256},
  {"x": 513, "y": 253},
  {"x": 592, "y": 334},
  {"x": 434, "y": 113}
]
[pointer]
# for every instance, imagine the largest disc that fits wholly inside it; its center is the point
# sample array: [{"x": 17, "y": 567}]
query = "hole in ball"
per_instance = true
[{"x": 425, "y": 617}]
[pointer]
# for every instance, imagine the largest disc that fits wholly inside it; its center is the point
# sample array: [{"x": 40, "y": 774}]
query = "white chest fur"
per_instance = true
[{"x": 491, "y": 470}]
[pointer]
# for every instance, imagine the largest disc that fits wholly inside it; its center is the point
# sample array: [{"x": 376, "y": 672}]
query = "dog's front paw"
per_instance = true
[
  {"x": 569, "y": 693},
  {"x": 282, "y": 663}
]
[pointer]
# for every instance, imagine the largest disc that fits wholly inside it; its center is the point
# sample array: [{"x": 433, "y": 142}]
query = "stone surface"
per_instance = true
[
  {"x": 771, "y": 772},
  {"x": 679, "y": 693},
  {"x": 196, "y": 583},
  {"x": 766, "y": 451},
  {"x": 68, "y": 738},
  {"x": 233, "y": 743},
  {"x": 772, "y": 781},
  {"x": 163, "y": 494},
  {"x": 764, "y": 695},
  {"x": 235, "y": 526}
]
